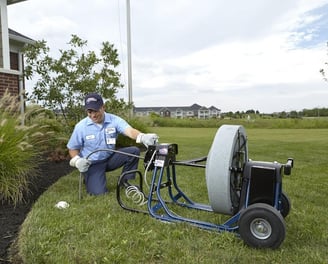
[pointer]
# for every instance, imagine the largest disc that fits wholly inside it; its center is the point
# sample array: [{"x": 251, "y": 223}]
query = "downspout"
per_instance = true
[{"x": 21, "y": 87}]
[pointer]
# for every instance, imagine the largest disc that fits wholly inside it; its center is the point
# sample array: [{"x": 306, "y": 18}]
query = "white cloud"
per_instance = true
[{"x": 236, "y": 55}]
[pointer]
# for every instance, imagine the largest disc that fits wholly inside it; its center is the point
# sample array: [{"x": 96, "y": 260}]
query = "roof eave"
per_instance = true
[
  {"x": 11, "y": 2},
  {"x": 21, "y": 39}
]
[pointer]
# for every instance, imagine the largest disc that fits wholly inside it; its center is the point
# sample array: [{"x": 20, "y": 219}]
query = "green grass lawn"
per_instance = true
[{"x": 98, "y": 230}]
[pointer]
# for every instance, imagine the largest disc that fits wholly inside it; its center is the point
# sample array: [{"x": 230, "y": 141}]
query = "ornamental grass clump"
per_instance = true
[{"x": 19, "y": 150}]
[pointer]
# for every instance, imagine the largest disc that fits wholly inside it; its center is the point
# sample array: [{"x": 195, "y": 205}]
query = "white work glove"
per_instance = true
[
  {"x": 81, "y": 164},
  {"x": 147, "y": 139}
]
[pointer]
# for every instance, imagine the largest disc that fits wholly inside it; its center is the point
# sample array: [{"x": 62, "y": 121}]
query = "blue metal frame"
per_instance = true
[
  {"x": 156, "y": 202},
  {"x": 164, "y": 176}
]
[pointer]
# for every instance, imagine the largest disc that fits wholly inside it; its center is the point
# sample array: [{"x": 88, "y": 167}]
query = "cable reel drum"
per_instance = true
[{"x": 224, "y": 166}]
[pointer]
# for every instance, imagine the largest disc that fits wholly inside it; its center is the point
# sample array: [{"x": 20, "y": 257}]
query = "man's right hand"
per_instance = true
[{"x": 82, "y": 164}]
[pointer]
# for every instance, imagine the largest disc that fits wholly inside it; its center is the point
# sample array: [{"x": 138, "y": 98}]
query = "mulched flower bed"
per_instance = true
[{"x": 12, "y": 217}]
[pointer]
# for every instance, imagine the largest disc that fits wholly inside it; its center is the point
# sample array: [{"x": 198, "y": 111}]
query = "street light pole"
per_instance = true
[{"x": 128, "y": 27}]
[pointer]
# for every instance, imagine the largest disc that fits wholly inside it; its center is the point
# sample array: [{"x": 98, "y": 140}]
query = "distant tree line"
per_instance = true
[{"x": 315, "y": 112}]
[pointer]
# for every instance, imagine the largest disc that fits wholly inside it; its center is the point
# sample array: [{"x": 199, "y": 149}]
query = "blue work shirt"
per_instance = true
[{"x": 89, "y": 136}]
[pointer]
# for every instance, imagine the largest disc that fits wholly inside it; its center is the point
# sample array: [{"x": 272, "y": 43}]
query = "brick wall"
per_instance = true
[{"x": 9, "y": 82}]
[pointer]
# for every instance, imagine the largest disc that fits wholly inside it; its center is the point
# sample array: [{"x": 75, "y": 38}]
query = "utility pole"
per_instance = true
[{"x": 128, "y": 30}]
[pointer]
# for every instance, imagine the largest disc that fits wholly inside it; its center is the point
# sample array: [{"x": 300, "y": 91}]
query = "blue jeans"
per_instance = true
[{"x": 95, "y": 177}]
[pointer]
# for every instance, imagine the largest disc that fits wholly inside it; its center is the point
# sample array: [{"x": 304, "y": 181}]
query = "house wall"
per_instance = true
[
  {"x": 1, "y": 46},
  {"x": 10, "y": 52},
  {"x": 10, "y": 81},
  {"x": 4, "y": 62}
]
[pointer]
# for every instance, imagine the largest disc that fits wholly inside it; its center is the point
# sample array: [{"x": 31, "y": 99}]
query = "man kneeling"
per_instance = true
[{"x": 99, "y": 130}]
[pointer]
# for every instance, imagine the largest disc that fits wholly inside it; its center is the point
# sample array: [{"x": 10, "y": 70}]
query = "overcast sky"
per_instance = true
[{"x": 236, "y": 55}]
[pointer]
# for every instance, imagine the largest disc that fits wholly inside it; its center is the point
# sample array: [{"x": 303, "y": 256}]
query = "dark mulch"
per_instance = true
[{"x": 12, "y": 217}]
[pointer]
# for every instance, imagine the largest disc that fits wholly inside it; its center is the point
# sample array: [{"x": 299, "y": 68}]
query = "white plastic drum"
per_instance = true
[{"x": 225, "y": 160}]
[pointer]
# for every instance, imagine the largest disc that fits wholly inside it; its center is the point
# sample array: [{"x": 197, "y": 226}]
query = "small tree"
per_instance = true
[{"x": 62, "y": 83}]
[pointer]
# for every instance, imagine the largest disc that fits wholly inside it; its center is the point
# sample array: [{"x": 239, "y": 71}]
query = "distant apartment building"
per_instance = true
[{"x": 193, "y": 111}]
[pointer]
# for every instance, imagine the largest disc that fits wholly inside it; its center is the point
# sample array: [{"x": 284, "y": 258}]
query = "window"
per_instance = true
[{"x": 14, "y": 61}]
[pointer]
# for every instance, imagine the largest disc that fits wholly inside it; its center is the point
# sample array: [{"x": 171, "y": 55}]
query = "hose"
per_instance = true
[{"x": 131, "y": 192}]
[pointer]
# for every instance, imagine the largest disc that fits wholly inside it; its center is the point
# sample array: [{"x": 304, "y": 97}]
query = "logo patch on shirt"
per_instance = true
[
  {"x": 110, "y": 130},
  {"x": 89, "y": 137}
]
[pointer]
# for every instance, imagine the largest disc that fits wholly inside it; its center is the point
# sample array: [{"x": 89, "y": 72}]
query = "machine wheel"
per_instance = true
[
  {"x": 262, "y": 226},
  {"x": 224, "y": 166},
  {"x": 285, "y": 205}
]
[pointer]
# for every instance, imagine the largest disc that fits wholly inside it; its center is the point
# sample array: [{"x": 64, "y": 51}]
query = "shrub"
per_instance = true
[
  {"x": 21, "y": 149},
  {"x": 276, "y": 123},
  {"x": 55, "y": 146}
]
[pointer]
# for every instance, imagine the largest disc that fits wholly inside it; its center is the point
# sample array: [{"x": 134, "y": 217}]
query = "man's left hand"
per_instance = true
[{"x": 147, "y": 139}]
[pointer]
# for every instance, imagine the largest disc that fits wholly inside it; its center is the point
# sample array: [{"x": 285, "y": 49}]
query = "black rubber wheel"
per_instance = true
[
  {"x": 285, "y": 205},
  {"x": 262, "y": 226}
]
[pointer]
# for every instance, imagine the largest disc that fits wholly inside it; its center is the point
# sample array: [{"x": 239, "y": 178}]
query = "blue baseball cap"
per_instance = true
[{"x": 93, "y": 101}]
